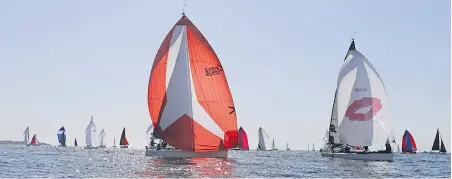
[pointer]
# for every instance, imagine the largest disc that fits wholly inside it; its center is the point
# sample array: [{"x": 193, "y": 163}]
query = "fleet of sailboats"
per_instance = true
[{"x": 193, "y": 113}]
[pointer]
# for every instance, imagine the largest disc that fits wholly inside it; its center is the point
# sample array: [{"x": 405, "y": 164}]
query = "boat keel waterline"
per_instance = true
[
  {"x": 361, "y": 156},
  {"x": 186, "y": 154}
]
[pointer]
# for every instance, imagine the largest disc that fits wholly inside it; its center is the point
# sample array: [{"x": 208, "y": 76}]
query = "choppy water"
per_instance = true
[{"x": 50, "y": 161}]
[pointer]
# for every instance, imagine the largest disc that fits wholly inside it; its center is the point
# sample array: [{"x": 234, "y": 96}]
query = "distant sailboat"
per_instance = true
[
  {"x": 313, "y": 149},
  {"x": 264, "y": 140},
  {"x": 438, "y": 144},
  {"x": 273, "y": 145},
  {"x": 408, "y": 143},
  {"x": 75, "y": 143},
  {"x": 189, "y": 99},
  {"x": 308, "y": 147},
  {"x": 398, "y": 148},
  {"x": 27, "y": 136},
  {"x": 102, "y": 139},
  {"x": 287, "y": 146},
  {"x": 123, "y": 143},
  {"x": 114, "y": 142},
  {"x": 61, "y": 134},
  {"x": 91, "y": 135},
  {"x": 243, "y": 140},
  {"x": 34, "y": 141}
]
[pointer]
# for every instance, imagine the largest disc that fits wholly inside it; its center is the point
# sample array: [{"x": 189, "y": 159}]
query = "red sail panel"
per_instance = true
[
  {"x": 404, "y": 140},
  {"x": 213, "y": 106},
  {"x": 413, "y": 143},
  {"x": 33, "y": 140},
  {"x": 243, "y": 139},
  {"x": 124, "y": 141},
  {"x": 157, "y": 80},
  {"x": 211, "y": 86}
]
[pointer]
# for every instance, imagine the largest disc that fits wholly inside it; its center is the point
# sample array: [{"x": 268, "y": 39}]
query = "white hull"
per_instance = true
[
  {"x": 90, "y": 147},
  {"x": 186, "y": 154},
  {"x": 361, "y": 156}
]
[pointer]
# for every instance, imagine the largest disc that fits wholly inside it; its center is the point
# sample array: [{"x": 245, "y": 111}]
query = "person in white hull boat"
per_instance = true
[{"x": 160, "y": 144}]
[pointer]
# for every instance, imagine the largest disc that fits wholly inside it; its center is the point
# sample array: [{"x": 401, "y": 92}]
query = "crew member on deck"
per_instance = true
[{"x": 152, "y": 142}]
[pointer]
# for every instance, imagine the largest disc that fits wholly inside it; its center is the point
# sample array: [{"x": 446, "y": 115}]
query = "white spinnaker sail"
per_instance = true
[
  {"x": 264, "y": 140},
  {"x": 102, "y": 138},
  {"x": 26, "y": 135},
  {"x": 91, "y": 134},
  {"x": 362, "y": 104}
]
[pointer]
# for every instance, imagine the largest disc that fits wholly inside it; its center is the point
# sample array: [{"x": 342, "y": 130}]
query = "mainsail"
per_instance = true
[
  {"x": 361, "y": 103},
  {"x": 102, "y": 138},
  {"x": 61, "y": 134},
  {"x": 243, "y": 139},
  {"x": 123, "y": 140},
  {"x": 91, "y": 134},
  {"x": 26, "y": 135},
  {"x": 75, "y": 142},
  {"x": 408, "y": 143},
  {"x": 189, "y": 100},
  {"x": 264, "y": 140},
  {"x": 438, "y": 144}
]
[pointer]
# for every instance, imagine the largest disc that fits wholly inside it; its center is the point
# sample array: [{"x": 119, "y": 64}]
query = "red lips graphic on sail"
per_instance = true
[{"x": 353, "y": 110}]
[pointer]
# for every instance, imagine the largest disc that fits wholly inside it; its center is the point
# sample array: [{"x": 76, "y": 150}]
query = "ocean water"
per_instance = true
[{"x": 51, "y": 162}]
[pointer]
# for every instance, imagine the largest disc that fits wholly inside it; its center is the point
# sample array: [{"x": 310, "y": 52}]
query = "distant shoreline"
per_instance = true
[{"x": 10, "y": 142}]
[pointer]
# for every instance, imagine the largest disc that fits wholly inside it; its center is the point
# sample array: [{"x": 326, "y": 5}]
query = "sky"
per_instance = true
[{"x": 62, "y": 62}]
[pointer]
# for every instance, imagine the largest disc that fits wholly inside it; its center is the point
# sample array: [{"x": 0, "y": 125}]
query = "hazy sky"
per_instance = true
[{"x": 62, "y": 62}]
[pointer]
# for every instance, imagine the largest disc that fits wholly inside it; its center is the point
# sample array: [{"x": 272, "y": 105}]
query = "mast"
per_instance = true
[{"x": 332, "y": 132}]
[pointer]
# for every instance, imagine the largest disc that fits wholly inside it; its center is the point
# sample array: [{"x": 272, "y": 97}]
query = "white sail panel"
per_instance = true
[
  {"x": 91, "y": 134},
  {"x": 264, "y": 140},
  {"x": 181, "y": 95},
  {"x": 26, "y": 135},
  {"x": 102, "y": 138},
  {"x": 354, "y": 96},
  {"x": 362, "y": 104}
]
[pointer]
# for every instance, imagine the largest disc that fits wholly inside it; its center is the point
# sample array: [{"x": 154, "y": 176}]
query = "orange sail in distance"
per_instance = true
[{"x": 189, "y": 100}]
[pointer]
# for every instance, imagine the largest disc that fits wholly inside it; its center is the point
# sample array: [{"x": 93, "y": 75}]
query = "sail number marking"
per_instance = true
[
  {"x": 213, "y": 70},
  {"x": 360, "y": 89}
]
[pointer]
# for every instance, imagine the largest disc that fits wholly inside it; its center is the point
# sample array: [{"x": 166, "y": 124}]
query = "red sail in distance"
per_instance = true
[
  {"x": 189, "y": 100},
  {"x": 243, "y": 139},
  {"x": 408, "y": 143},
  {"x": 33, "y": 140},
  {"x": 123, "y": 140}
]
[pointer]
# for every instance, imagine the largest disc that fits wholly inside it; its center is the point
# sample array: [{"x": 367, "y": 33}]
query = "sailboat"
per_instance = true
[
  {"x": 313, "y": 149},
  {"x": 308, "y": 147},
  {"x": 123, "y": 143},
  {"x": 189, "y": 100},
  {"x": 438, "y": 144},
  {"x": 398, "y": 148},
  {"x": 75, "y": 143},
  {"x": 27, "y": 136},
  {"x": 102, "y": 139},
  {"x": 287, "y": 146},
  {"x": 264, "y": 140},
  {"x": 34, "y": 141},
  {"x": 360, "y": 113},
  {"x": 273, "y": 145},
  {"x": 114, "y": 142},
  {"x": 242, "y": 143},
  {"x": 408, "y": 143},
  {"x": 91, "y": 135},
  {"x": 61, "y": 134}
]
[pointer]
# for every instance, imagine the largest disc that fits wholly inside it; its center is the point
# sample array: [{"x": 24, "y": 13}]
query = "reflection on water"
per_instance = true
[{"x": 188, "y": 168}]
